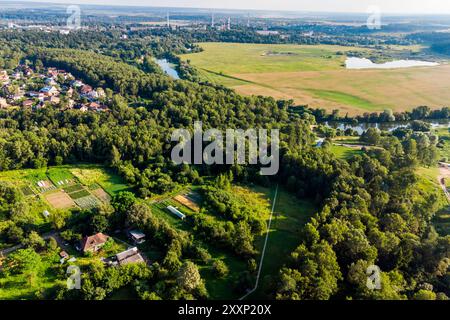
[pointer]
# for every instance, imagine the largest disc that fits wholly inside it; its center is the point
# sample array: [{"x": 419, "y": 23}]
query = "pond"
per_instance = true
[
  {"x": 363, "y": 63},
  {"x": 168, "y": 68},
  {"x": 384, "y": 126}
]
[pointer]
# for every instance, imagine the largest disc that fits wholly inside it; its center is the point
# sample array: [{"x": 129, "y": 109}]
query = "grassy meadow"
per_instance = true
[
  {"x": 316, "y": 76},
  {"x": 428, "y": 183},
  {"x": 290, "y": 215}
]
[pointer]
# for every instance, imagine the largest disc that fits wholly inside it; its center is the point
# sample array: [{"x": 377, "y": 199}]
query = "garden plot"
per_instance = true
[
  {"x": 187, "y": 201},
  {"x": 102, "y": 195},
  {"x": 27, "y": 191},
  {"x": 87, "y": 202},
  {"x": 60, "y": 200},
  {"x": 79, "y": 194},
  {"x": 45, "y": 185},
  {"x": 73, "y": 188},
  {"x": 60, "y": 176}
]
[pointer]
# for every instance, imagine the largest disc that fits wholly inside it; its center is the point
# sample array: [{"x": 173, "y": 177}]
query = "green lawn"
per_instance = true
[
  {"x": 15, "y": 287},
  {"x": 429, "y": 183},
  {"x": 343, "y": 152},
  {"x": 59, "y": 175},
  {"x": 344, "y": 98},
  {"x": 90, "y": 175},
  {"x": 289, "y": 217},
  {"x": 444, "y": 134}
]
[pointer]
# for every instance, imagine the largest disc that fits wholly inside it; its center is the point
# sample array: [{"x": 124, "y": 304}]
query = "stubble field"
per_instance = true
[{"x": 316, "y": 76}]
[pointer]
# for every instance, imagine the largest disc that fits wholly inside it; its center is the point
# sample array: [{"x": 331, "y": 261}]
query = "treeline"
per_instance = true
[
  {"x": 373, "y": 214},
  {"x": 418, "y": 113}
]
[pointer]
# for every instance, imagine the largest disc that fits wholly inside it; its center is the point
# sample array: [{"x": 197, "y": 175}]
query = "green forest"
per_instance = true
[{"x": 368, "y": 209}]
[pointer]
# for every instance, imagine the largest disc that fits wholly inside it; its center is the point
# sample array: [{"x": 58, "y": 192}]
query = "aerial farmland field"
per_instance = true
[
  {"x": 64, "y": 187},
  {"x": 316, "y": 76}
]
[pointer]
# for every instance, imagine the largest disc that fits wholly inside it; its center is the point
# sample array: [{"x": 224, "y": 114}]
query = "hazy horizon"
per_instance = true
[{"x": 344, "y": 6}]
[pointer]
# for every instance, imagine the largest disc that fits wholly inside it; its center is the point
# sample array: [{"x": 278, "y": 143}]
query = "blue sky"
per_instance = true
[{"x": 387, "y": 6}]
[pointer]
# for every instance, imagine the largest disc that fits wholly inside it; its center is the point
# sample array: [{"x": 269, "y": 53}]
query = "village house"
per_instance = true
[
  {"x": 137, "y": 236},
  {"x": 94, "y": 106},
  {"x": 52, "y": 72},
  {"x": 16, "y": 76},
  {"x": 129, "y": 256},
  {"x": 70, "y": 103},
  {"x": 76, "y": 83},
  {"x": 94, "y": 243},
  {"x": 49, "y": 91},
  {"x": 54, "y": 100},
  {"x": 69, "y": 92},
  {"x": 27, "y": 103},
  {"x": 50, "y": 82},
  {"x": 27, "y": 72},
  {"x": 81, "y": 107},
  {"x": 38, "y": 95},
  {"x": 64, "y": 255},
  {"x": 86, "y": 90},
  {"x": 4, "y": 78},
  {"x": 3, "y": 103}
]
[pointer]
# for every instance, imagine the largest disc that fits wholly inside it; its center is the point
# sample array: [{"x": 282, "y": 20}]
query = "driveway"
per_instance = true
[{"x": 53, "y": 234}]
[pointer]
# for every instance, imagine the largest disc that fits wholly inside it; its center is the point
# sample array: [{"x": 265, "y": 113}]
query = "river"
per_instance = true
[
  {"x": 363, "y": 63},
  {"x": 168, "y": 68},
  {"x": 385, "y": 126}
]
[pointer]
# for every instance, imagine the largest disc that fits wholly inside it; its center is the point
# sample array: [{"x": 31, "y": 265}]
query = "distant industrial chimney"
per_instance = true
[
  {"x": 229, "y": 24},
  {"x": 168, "y": 20},
  {"x": 212, "y": 20},
  {"x": 248, "y": 21}
]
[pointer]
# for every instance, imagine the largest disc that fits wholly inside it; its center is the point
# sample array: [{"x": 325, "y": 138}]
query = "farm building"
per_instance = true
[
  {"x": 137, "y": 236},
  {"x": 94, "y": 243},
  {"x": 129, "y": 256},
  {"x": 176, "y": 212}
]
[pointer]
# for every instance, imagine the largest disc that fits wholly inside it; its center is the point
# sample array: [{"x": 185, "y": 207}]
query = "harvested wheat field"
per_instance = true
[{"x": 316, "y": 76}]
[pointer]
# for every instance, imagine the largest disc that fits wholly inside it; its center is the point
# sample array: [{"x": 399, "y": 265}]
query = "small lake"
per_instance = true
[
  {"x": 168, "y": 68},
  {"x": 363, "y": 63},
  {"x": 384, "y": 126}
]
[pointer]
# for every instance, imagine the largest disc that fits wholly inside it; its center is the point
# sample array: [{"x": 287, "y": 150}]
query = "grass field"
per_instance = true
[
  {"x": 316, "y": 76},
  {"x": 68, "y": 185},
  {"x": 289, "y": 217},
  {"x": 343, "y": 152},
  {"x": 92, "y": 175},
  {"x": 428, "y": 183},
  {"x": 444, "y": 135},
  {"x": 17, "y": 287}
]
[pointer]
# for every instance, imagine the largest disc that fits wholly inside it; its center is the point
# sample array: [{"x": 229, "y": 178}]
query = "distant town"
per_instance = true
[{"x": 24, "y": 87}]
